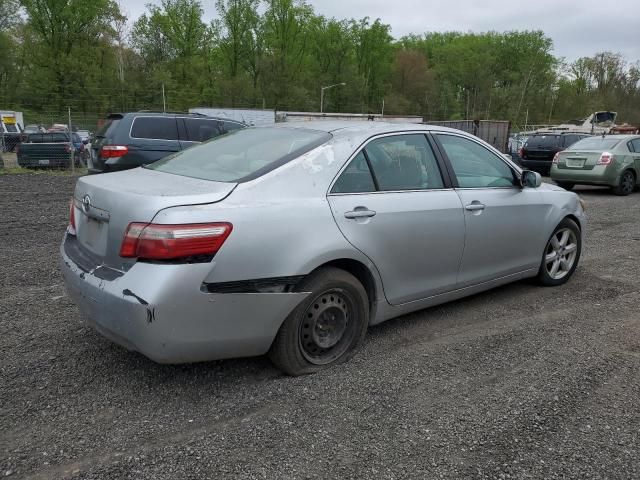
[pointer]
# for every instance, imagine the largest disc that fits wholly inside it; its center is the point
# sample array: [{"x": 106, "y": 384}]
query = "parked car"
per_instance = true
[
  {"x": 540, "y": 148},
  {"x": 47, "y": 150},
  {"x": 84, "y": 134},
  {"x": 132, "y": 139},
  {"x": 293, "y": 239},
  {"x": 58, "y": 127},
  {"x": 612, "y": 161}
]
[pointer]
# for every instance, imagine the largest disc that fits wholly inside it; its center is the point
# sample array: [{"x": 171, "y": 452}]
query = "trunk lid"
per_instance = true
[
  {"x": 105, "y": 205},
  {"x": 578, "y": 159}
]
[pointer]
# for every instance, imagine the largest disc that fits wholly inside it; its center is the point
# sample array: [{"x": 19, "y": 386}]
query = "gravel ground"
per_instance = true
[{"x": 519, "y": 382}]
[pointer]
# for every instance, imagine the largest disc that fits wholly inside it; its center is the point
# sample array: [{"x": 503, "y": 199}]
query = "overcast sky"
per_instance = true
[{"x": 578, "y": 27}]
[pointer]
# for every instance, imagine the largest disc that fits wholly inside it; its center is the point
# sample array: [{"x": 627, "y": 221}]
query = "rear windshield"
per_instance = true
[
  {"x": 544, "y": 141},
  {"x": 48, "y": 137},
  {"x": 242, "y": 155},
  {"x": 108, "y": 127},
  {"x": 595, "y": 143}
]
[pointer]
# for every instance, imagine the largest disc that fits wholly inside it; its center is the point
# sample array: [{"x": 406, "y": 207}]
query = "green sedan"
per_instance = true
[{"x": 612, "y": 161}]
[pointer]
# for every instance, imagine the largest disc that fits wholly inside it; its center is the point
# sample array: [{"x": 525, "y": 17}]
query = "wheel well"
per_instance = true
[
  {"x": 575, "y": 220},
  {"x": 362, "y": 273}
]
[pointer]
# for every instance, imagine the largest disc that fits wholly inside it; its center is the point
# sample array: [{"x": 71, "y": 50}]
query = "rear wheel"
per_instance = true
[
  {"x": 326, "y": 328},
  {"x": 626, "y": 185},
  {"x": 561, "y": 255},
  {"x": 566, "y": 185}
]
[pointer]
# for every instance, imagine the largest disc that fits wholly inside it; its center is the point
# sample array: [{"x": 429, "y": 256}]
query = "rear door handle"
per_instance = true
[
  {"x": 360, "y": 212},
  {"x": 474, "y": 207}
]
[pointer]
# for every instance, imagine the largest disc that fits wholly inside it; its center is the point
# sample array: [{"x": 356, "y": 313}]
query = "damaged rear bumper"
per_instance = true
[{"x": 162, "y": 312}]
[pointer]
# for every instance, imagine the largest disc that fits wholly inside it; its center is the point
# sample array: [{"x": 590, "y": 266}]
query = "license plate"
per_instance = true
[
  {"x": 575, "y": 162},
  {"x": 43, "y": 162},
  {"x": 92, "y": 234}
]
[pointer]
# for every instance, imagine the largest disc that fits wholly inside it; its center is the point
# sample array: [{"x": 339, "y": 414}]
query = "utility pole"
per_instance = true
[{"x": 164, "y": 100}]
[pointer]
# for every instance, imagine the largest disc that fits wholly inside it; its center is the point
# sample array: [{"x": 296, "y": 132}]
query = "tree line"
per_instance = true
[{"x": 278, "y": 54}]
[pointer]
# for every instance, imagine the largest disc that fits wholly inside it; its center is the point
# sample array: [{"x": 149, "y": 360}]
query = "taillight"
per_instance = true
[
  {"x": 556, "y": 157},
  {"x": 71, "y": 229},
  {"x": 521, "y": 152},
  {"x": 605, "y": 159},
  {"x": 164, "y": 242},
  {"x": 113, "y": 151}
]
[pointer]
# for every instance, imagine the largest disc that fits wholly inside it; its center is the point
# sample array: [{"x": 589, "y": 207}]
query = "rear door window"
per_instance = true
[
  {"x": 155, "y": 128},
  {"x": 404, "y": 162},
  {"x": 356, "y": 178},
  {"x": 201, "y": 130}
]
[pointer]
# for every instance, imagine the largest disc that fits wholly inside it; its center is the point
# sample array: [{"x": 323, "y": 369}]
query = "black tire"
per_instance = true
[
  {"x": 545, "y": 277},
  {"x": 338, "y": 306},
  {"x": 566, "y": 185},
  {"x": 626, "y": 185}
]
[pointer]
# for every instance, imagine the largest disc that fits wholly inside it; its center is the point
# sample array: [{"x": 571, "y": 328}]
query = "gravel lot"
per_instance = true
[{"x": 519, "y": 382}]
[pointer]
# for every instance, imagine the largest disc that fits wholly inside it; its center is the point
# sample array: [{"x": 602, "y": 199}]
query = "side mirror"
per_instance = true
[{"x": 530, "y": 179}]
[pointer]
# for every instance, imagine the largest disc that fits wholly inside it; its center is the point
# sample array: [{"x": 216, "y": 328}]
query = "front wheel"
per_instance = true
[
  {"x": 326, "y": 328},
  {"x": 561, "y": 255}
]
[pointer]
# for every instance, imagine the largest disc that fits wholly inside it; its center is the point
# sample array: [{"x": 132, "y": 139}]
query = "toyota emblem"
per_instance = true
[{"x": 86, "y": 203}]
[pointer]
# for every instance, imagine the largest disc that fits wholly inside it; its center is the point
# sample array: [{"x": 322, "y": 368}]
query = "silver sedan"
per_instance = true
[{"x": 292, "y": 240}]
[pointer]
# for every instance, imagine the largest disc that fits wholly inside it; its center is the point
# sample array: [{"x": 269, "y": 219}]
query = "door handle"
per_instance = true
[
  {"x": 360, "y": 212},
  {"x": 474, "y": 207}
]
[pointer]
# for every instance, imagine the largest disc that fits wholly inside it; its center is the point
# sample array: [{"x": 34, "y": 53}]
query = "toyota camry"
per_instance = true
[{"x": 293, "y": 239}]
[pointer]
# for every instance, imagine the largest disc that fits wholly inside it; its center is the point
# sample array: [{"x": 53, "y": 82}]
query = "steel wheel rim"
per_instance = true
[
  {"x": 327, "y": 327},
  {"x": 628, "y": 182},
  {"x": 561, "y": 253}
]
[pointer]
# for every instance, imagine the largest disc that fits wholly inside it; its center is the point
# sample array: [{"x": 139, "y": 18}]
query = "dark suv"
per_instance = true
[
  {"x": 128, "y": 140},
  {"x": 540, "y": 148}
]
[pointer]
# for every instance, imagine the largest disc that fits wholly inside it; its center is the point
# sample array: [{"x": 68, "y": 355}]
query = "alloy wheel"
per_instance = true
[
  {"x": 561, "y": 253},
  {"x": 628, "y": 182}
]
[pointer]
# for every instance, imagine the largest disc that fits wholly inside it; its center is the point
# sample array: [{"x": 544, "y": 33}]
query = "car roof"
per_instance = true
[
  {"x": 153, "y": 113},
  {"x": 355, "y": 128}
]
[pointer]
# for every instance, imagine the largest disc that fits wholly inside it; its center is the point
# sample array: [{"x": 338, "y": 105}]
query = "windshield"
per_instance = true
[
  {"x": 243, "y": 154},
  {"x": 543, "y": 141},
  {"x": 595, "y": 143}
]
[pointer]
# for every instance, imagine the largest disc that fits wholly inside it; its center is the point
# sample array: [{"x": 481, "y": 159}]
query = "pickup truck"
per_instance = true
[{"x": 48, "y": 150}]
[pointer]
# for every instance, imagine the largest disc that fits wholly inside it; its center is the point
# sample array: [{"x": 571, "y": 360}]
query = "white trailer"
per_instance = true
[
  {"x": 11, "y": 127},
  {"x": 250, "y": 116}
]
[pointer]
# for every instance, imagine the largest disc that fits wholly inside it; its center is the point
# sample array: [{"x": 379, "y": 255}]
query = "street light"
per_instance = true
[{"x": 322, "y": 89}]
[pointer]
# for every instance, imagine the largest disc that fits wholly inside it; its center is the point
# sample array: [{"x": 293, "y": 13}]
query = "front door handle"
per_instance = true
[
  {"x": 360, "y": 212},
  {"x": 474, "y": 207}
]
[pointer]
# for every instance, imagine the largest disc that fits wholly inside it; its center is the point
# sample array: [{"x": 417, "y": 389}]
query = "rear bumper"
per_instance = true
[
  {"x": 599, "y": 175},
  {"x": 161, "y": 312},
  {"x": 52, "y": 162}
]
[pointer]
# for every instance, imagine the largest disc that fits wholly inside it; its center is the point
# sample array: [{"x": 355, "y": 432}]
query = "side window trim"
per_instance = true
[
  {"x": 371, "y": 170},
  {"x": 454, "y": 178},
  {"x": 447, "y": 179}
]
